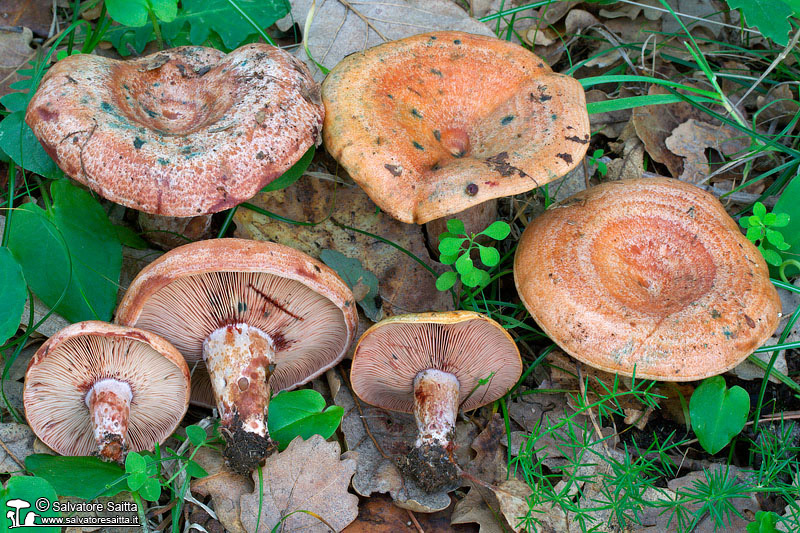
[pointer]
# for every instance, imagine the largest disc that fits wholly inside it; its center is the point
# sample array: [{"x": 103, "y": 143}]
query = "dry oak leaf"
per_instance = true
[
  {"x": 308, "y": 476},
  {"x": 17, "y": 439},
  {"x": 34, "y": 14},
  {"x": 379, "y": 515},
  {"x": 225, "y": 488},
  {"x": 15, "y": 52},
  {"x": 404, "y": 286},
  {"x": 690, "y": 140},
  {"x": 475, "y": 508},
  {"x": 512, "y": 495},
  {"x": 340, "y": 28}
]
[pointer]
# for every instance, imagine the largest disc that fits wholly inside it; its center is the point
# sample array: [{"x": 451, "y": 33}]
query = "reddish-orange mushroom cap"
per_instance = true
[
  {"x": 95, "y": 357},
  {"x": 436, "y": 123},
  {"x": 649, "y": 274},
  {"x": 468, "y": 345},
  {"x": 181, "y": 132}
]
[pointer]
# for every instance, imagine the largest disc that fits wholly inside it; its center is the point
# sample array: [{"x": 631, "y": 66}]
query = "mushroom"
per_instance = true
[
  {"x": 433, "y": 365},
  {"x": 183, "y": 132},
  {"x": 261, "y": 316},
  {"x": 646, "y": 277},
  {"x": 433, "y": 124},
  {"x": 107, "y": 389}
]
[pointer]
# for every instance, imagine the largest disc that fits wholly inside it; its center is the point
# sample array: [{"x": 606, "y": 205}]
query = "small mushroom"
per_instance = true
[
  {"x": 261, "y": 317},
  {"x": 106, "y": 389},
  {"x": 648, "y": 276},
  {"x": 433, "y": 365},
  {"x": 433, "y": 124},
  {"x": 183, "y": 132}
]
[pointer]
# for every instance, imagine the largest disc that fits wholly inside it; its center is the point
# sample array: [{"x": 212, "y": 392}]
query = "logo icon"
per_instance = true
[{"x": 29, "y": 519}]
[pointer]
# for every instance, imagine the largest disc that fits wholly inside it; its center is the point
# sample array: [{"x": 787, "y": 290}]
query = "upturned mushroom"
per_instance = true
[
  {"x": 434, "y": 365},
  {"x": 433, "y": 124},
  {"x": 648, "y": 276},
  {"x": 182, "y": 132},
  {"x": 261, "y": 317},
  {"x": 105, "y": 389}
]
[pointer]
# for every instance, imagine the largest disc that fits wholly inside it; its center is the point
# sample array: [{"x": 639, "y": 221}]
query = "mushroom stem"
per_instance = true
[
  {"x": 435, "y": 406},
  {"x": 109, "y": 402},
  {"x": 239, "y": 359}
]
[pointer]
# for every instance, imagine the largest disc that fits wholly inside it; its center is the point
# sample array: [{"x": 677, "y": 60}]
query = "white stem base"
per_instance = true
[
  {"x": 109, "y": 403},
  {"x": 238, "y": 358},
  {"x": 435, "y": 406}
]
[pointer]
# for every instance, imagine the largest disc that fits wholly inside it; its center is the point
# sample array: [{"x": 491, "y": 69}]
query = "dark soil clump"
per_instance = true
[{"x": 430, "y": 467}]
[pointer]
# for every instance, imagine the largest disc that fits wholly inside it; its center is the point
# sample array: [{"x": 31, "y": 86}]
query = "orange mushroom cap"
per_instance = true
[
  {"x": 436, "y": 123},
  {"x": 301, "y": 304},
  {"x": 650, "y": 274},
  {"x": 468, "y": 345},
  {"x": 69, "y": 363},
  {"x": 182, "y": 132}
]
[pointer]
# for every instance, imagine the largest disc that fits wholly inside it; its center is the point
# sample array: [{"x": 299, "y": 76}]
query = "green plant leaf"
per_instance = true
[
  {"x": 293, "y": 174},
  {"x": 448, "y": 259},
  {"x": 770, "y": 218},
  {"x": 150, "y": 489},
  {"x": 788, "y": 205},
  {"x": 165, "y": 10},
  {"x": 472, "y": 278},
  {"x": 775, "y": 238},
  {"x": 196, "y": 434},
  {"x": 80, "y": 477},
  {"x": 301, "y": 413},
  {"x": 771, "y": 256},
  {"x": 454, "y": 225},
  {"x": 135, "y": 464},
  {"x": 769, "y": 16},
  {"x": 497, "y": 230},
  {"x": 13, "y": 293},
  {"x": 754, "y": 233},
  {"x": 451, "y": 245},
  {"x": 464, "y": 265},
  {"x": 717, "y": 413},
  {"x": 29, "y": 489},
  {"x": 759, "y": 210},
  {"x": 206, "y": 19},
  {"x": 361, "y": 281},
  {"x": 489, "y": 256},
  {"x": 127, "y": 237},
  {"x": 18, "y": 141},
  {"x": 781, "y": 220},
  {"x": 128, "y": 12},
  {"x": 446, "y": 281},
  {"x": 95, "y": 251},
  {"x": 195, "y": 470},
  {"x": 764, "y": 522}
]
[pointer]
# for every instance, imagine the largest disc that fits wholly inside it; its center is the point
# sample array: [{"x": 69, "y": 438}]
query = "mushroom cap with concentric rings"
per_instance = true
[
  {"x": 69, "y": 363},
  {"x": 301, "y": 304},
  {"x": 468, "y": 345},
  {"x": 433, "y": 124},
  {"x": 182, "y": 132},
  {"x": 650, "y": 274}
]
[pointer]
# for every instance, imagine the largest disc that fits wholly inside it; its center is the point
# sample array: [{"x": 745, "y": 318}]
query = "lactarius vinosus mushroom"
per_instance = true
[
  {"x": 261, "y": 317},
  {"x": 434, "y": 365},
  {"x": 97, "y": 388},
  {"x": 648, "y": 276}
]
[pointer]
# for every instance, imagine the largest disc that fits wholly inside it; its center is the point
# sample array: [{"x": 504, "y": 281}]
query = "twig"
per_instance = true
[
  {"x": 414, "y": 520},
  {"x": 347, "y": 4},
  {"x": 10, "y": 454}
]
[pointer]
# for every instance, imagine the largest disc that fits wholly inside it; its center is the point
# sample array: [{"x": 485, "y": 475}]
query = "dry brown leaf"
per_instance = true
[
  {"x": 379, "y": 515},
  {"x": 490, "y": 463},
  {"x": 341, "y": 28},
  {"x": 309, "y": 476},
  {"x": 475, "y": 220},
  {"x": 779, "y": 104},
  {"x": 690, "y": 140},
  {"x": 512, "y": 496},
  {"x": 375, "y": 469},
  {"x": 475, "y": 508},
  {"x": 404, "y": 286},
  {"x": 225, "y": 488},
  {"x": 631, "y": 164},
  {"x": 170, "y": 232},
  {"x": 34, "y": 14},
  {"x": 611, "y": 123},
  {"x": 15, "y": 51},
  {"x": 18, "y": 440}
]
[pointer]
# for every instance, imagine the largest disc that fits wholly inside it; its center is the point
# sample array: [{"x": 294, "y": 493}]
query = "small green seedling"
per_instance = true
[
  {"x": 301, "y": 413},
  {"x": 594, "y": 159},
  {"x": 455, "y": 247},
  {"x": 718, "y": 413},
  {"x": 136, "y": 13},
  {"x": 761, "y": 231}
]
